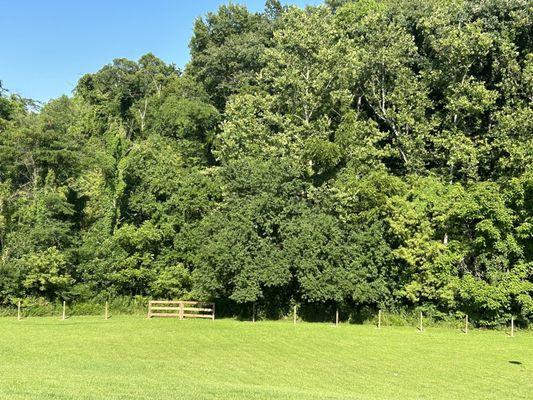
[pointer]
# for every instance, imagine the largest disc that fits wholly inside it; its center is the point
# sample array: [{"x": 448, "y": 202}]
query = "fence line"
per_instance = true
[{"x": 197, "y": 309}]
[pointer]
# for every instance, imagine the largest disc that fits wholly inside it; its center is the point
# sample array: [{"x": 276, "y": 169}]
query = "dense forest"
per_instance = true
[{"x": 358, "y": 154}]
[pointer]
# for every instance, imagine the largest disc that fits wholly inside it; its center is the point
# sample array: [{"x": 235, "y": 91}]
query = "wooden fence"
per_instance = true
[
  {"x": 181, "y": 309},
  {"x": 198, "y": 309}
]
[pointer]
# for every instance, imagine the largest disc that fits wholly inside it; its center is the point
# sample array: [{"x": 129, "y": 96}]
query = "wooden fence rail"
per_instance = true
[{"x": 181, "y": 309}]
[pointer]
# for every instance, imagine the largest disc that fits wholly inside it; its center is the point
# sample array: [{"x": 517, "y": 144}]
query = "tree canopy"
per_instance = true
[{"x": 369, "y": 153}]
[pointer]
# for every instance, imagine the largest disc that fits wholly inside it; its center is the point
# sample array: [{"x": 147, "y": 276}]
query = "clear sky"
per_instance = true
[{"x": 47, "y": 45}]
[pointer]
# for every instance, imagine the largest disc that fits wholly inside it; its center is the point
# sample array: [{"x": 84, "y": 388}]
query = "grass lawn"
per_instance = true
[{"x": 135, "y": 358}]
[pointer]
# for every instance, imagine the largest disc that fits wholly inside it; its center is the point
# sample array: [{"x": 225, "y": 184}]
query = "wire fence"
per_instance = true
[{"x": 138, "y": 306}]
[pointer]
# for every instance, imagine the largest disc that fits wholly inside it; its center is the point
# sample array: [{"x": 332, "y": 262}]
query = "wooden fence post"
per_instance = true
[
  {"x": 213, "y": 316},
  {"x": 379, "y": 319},
  {"x": 421, "y": 327},
  {"x": 18, "y": 311},
  {"x": 512, "y": 326},
  {"x": 106, "y": 315},
  {"x": 253, "y": 313},
  {"x": 181, "y": 310},
  {"x": 294, "y": 316},
  {"x": 64, "y": 310},
  {"x": 149, "y": 309},
  {"x": 466, "y": 323},
  {"x": 337, "y": 317}
]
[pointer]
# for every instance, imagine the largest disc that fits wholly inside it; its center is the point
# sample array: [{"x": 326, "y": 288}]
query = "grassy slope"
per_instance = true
[{"x": 135, "y": 358}]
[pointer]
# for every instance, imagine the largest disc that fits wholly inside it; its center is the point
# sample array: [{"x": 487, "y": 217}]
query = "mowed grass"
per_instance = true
[{"x": 135, "y": 358}]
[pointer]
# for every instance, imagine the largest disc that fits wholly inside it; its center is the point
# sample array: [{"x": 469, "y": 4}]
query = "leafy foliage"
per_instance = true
[{"x": 356, "y": 154}]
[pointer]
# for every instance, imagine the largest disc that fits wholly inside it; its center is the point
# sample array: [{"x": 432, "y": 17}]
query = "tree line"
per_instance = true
[{"x": 368, "y": 154}]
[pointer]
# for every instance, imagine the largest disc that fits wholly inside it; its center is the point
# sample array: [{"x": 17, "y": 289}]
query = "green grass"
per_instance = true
[{"x": 135, "y": 358}]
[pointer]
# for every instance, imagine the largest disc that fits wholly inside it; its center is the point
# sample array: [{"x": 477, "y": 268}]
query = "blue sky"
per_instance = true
[{"x": 47, "y": 45}]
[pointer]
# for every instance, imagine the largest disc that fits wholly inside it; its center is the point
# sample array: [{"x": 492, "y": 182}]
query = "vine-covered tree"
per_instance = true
[{"x": 360, "y": 154}]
